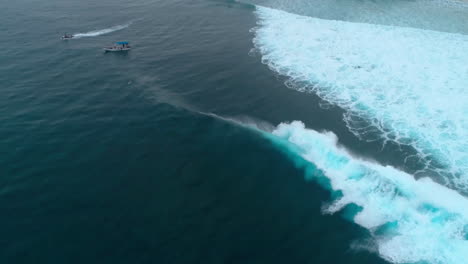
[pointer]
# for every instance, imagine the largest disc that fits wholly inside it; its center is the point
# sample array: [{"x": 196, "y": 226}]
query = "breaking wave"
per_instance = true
[
  {"x": 406, "y": 85},
  {"x": 411, "y": 221},
  {"x": 96, "y": 33},
  {"x": 400, "y": 77}
]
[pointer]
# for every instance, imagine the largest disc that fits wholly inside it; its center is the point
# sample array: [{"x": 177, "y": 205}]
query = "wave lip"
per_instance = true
[
  {"x": 408, "y": 84},
  {"x": 410, "y": 220},
  {"x": 100, "y": 32}
]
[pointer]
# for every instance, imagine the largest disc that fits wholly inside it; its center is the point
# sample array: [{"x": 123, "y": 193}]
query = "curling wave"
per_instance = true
[{"x": 411, "y": 221}]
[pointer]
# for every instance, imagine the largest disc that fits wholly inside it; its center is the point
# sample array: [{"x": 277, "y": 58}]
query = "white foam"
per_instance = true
[
  {"x": 100, "y": 32},
  {"x": 409, "y": 84},
  {"x": 440, "y": 15},
  {"x": 425, "y": 221}
]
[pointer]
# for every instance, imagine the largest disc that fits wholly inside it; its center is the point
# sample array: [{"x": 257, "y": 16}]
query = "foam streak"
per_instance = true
[{"x": 96, "y": 33}]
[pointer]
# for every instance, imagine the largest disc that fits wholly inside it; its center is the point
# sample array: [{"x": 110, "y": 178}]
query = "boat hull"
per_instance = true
[{"x": 116, "y": 50}]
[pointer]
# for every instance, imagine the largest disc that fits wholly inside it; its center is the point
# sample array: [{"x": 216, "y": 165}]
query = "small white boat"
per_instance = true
[
  {"x": 67, "y": 36},
  {"x": 119, "y": 46}
]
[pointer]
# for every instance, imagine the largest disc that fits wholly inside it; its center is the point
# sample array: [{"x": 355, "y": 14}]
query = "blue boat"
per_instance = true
[{"x": 119, "y": 46}]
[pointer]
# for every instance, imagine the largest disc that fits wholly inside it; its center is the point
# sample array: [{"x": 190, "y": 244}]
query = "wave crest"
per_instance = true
[{"x": 411, "y": 220}]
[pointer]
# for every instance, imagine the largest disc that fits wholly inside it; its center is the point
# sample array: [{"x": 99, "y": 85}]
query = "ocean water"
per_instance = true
[
  {"x": 234, "y": 132},
  {"x": 400, "y": 82}
]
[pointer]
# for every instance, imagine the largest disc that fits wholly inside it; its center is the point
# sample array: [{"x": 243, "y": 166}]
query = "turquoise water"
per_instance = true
[
  {"x": 401, "y": 78},
  {"x": 172, "y": 153}
]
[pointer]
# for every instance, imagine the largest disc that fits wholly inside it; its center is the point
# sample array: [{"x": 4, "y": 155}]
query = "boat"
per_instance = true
[
  {"x": 119, "y": 46},
  {"x": 67, "y": 36}
]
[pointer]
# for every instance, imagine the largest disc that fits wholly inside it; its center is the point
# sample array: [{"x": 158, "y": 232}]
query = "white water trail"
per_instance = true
[
  {"x": 100, "y": 32},
  {"x": 412, "y": 221}
]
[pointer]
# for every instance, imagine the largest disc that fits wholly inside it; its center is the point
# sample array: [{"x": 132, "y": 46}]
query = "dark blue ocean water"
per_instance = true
[{"x": 116, "y": 158}]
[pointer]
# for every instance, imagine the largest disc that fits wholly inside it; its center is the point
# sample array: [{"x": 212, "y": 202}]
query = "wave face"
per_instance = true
[
  {"x": 96, "y": 33},
  {"x": 412, "y": 221},
  {"x": 407, "y": 85}
]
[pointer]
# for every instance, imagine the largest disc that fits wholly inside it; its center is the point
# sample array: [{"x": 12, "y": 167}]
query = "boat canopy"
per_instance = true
[{"x": 122, "y": 42}]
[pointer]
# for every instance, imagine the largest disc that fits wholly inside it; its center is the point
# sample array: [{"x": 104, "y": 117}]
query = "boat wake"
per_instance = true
[
  {"x": 100, "y": 32},
  {"x": 411, "y": 221}
]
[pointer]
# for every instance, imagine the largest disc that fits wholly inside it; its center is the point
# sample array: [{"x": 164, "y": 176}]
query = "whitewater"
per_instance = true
[
  {"x": 411, "y": 221},
  {"x": 407, "y": 85}
]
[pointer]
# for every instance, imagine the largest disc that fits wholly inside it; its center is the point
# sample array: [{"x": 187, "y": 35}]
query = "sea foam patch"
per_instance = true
[
  {"x": 408, "y": 84},
  {"x": 439, "y": 15},
  {"x": 411, "y": 220}
]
